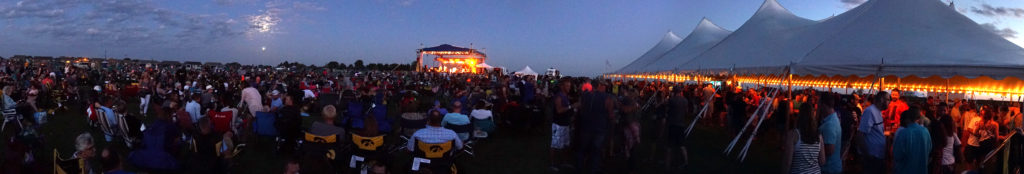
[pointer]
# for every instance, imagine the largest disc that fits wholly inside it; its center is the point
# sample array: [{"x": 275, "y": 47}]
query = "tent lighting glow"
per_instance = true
[{"x": 863, "y": 83}]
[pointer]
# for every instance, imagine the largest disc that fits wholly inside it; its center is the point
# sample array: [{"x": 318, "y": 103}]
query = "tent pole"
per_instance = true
[
  {"x": 947, "y": 89},
  {"x": 789, "y": 88}
]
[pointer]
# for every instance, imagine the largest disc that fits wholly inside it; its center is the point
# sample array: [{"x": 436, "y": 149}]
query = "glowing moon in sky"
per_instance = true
[{"x": 264, "y": 48}]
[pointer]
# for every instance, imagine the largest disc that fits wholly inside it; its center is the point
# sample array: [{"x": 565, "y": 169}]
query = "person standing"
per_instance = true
[
  {"x": 895, "y": 109},
  {"x": 597, "y": 112},
  {"x": 678, "y": 107},
  {"x": 831, "y": 133},
  {"x": 252, "y": 99},
  {"x": 560, "y": 124},
  {"x": 872, "y": 135},
  {"x": 804, "y": 154},
  {"x": 912, "y": 145},
  {"x": 951, "y": 140},
  {"x": 194, "y": 109}
]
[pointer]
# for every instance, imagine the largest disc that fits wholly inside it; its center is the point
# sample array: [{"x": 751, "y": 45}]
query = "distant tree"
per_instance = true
[
  {"x": 234, "y": 64},
  {"x": 359, "y": 64},
  {"x": 342, "y": 66},
  {"x": 284, "y": 64},
  {"x": 332, "y": 65}
]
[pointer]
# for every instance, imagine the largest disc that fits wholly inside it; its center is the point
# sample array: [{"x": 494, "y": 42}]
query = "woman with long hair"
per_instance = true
[
  {"x": 950, "y": 139},
  {"x": 805, "y": 154}
]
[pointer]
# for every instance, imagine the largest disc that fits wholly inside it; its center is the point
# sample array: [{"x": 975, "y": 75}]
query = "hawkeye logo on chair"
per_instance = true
[
  {"x": 368, "y": 143},
  {"x": 437, "y": 150},
  {"x": 321, "y": 139}
]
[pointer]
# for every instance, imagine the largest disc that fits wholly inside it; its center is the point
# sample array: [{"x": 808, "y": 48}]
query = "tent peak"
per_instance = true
[
  {"x": 706, "y": 24},
  {"x": 773, "y": 7},
  {"x": 671, "y": 36}
]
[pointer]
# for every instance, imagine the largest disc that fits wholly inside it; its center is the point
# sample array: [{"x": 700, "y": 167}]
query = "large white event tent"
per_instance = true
[
  {"x": 702, "y": 38},
  {"x": 669, "y": 41},
  {"x": 921, "y": 45}
]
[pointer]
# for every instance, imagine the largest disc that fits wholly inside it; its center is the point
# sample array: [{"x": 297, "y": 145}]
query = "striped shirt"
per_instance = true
[{"x": 805, "y": 158}]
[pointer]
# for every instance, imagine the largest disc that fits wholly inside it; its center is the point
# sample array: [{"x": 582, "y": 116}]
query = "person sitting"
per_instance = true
[
  {"x": 434, "y": 133},
  {"x": 154, "y": 153},
  {"x": 109, "y": 115},
  {"x": 86, "y": 150},
  {"x": 289, "y": 123},
  {"x": 455, "y": 117},
  {"x": 327, "y": 126},
  {"x": 482, "y": 118}
]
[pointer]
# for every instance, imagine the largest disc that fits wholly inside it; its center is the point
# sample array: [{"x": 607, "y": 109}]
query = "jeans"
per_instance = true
[{"x": 591, "y": 144}]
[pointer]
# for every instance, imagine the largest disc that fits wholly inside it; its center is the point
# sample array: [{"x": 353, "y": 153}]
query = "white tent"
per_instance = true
[
  {"x": 759, "y": 45},
  {"x": 920, "y": 44},
  {"x": 703, "y": 37},
  {"x": 669, "y": 41},
  {"x": 484, "y": 65},
  {"x": 920, "y": 38},
  {"x": 526, "y": 71}
]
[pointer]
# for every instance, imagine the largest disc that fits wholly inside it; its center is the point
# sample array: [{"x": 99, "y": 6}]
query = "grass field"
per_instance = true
[{"x": 508, "y": 151}]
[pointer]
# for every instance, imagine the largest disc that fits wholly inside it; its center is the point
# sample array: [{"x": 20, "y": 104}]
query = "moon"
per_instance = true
[{"x": 264, "y": 48}]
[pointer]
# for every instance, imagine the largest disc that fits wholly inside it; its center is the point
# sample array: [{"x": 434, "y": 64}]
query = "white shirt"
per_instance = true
[
  {"x": 481, "y": 114},
  {"x": 947, "y": 151},
  {"x": 308, "y": 94},
  {"x": 252, "y": 98}
]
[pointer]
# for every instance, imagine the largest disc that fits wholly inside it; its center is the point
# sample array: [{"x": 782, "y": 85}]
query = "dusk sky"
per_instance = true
[{"x": 575, "y": 36}]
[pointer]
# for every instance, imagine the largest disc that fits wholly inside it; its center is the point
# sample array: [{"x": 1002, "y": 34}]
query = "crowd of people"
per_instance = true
[{"x": 198, "y": 120}]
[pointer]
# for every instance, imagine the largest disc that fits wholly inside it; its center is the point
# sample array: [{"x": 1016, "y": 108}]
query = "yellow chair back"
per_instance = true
[
  {"x": 62, "y": 166},
  {"x": 368, "y": 143},
  {"x": 434, "y": 150},
  {"x": 321, "y": 139}
]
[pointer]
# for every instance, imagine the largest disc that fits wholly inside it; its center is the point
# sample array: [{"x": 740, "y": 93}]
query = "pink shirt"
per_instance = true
[{"x": 252, "y": 97}]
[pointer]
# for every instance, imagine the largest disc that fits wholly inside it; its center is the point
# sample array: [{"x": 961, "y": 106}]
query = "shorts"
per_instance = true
[
  {"x": 559, "y": 136},
  {"x": 676, "y": 135}
]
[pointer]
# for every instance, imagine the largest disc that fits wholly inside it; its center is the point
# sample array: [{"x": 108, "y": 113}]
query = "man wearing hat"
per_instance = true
[
  {"x": 208, "y": 99},
  {"x": 275, "y": 100}
]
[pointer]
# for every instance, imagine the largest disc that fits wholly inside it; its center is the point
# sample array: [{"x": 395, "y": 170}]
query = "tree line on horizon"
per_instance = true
[{"x": 357, "y": 65}]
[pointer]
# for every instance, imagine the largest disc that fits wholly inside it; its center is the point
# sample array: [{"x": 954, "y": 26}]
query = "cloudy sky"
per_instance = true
[{"x": 578, "y": 37}]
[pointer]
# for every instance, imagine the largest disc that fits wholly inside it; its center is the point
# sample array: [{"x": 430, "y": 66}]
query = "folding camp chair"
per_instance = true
[
  {"x": 67, "y": 166},
  {"x": 221, "y": 121},
  {"x": 410, "y": 123},
  {"x": 264, "y": 124},
  {"x": 437, "y": 157},
  {"x": 108, "y": 128},
  {"x": 129, "y": 130},
  {"x": 11, "y": 115},
  {"x": 460, "y": 129},
  {"x": 321, "y": 146},
  {"x": 366, "y": 147}
]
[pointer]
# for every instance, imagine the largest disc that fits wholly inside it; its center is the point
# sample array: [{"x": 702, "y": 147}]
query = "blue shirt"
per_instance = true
[
  {"x": 111, "y": 120},
  {"x": 831, "y": 134},
  {"x": 910, "y": 149},
  {"x": 277, "y": 103},
  {"x": 455, "y": 119},
  {"x": 871, "y": 126},
  {"x": 434, "y": 135}
]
